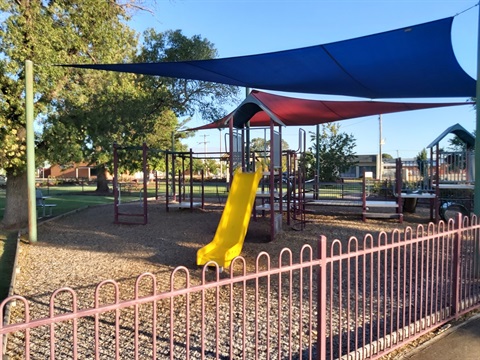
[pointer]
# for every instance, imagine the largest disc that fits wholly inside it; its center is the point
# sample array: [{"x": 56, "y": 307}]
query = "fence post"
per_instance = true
[
  {"x": 322, "y": 300},
  {"x": 474, "y": 221},
  {"x": 456, "y": 264}
]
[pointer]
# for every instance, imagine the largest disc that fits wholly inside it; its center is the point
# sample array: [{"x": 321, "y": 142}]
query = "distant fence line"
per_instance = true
[{"x": 353, "y": 299}]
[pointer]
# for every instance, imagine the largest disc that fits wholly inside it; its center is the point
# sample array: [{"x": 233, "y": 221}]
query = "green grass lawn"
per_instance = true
[
  {"x": 72, "y": 197},
  {"x": 69, "y": 198}
]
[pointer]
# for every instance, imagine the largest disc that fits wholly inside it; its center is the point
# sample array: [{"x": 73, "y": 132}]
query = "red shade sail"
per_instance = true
[{"x": 259, "y": 107}]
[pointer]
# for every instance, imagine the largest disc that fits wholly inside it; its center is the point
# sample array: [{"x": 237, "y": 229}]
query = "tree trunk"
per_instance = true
[
  {"x": 16, "y": 202},
  {"x": 102, "y": 183}
]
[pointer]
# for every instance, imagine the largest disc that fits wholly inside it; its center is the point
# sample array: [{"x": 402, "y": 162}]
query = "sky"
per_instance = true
[{"x": 246, "y": 27}]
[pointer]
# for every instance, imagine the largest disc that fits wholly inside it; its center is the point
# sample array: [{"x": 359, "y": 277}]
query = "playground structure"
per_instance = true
[
  {"x": 245, "y": 175},
  {"x": 176, "y": 191},
  {"x": 278, "y": 179},
  {"x": 446, "y": 179},
  {"x": 239, "y": 205},
  {"x": 279, "y": 182},
  {"x": 365, "y": 194},
  {"x": 443, "y": 180}
]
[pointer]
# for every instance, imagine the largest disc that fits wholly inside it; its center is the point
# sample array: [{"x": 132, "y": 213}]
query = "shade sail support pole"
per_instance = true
[
  {"x": 476, "y": 198},
  {"x": 476, "y": 194},
  {"x": 32, "y": 206}
]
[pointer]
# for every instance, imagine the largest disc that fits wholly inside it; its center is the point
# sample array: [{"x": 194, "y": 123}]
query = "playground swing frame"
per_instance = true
[{"x": 116, "y": 186}]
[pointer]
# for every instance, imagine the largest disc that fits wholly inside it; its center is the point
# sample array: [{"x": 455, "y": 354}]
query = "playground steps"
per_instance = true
[
  {"x": 372, "y": 205},
  {"x": 381, "y": 204},
  {"x": 266, "y": 207},
  {"x": 383, "y": 215},
  {"x": 184, "y": 205}
]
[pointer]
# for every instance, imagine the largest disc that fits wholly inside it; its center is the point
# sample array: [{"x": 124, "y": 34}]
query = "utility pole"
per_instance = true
[{"x": 204, "y": 142}]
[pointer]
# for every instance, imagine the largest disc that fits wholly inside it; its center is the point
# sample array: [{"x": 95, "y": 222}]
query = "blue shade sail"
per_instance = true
[{"x": 412, "y": 62}]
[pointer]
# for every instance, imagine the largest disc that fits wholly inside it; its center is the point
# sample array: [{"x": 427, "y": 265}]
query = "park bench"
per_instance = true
[
  {"x": 42, "y": 205},
  {"x": 131, "y": 187}
]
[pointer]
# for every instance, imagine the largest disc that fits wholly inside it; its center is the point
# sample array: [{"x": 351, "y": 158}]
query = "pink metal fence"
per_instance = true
[{"x": 357, "y": 298}]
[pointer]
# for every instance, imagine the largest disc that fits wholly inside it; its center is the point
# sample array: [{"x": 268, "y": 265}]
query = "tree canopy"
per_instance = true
[
  {"x": 47, "y": 33},
  {"x": 457, "y": 144},
  {"x": 81, "y": 113},
  {"x": 184, "y": 97},
  {"x": 335, "y": 152},
  {"x": 260, "y": 145}
]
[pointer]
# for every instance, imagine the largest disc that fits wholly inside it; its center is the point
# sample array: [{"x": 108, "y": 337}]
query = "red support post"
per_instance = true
[
  {"x": 272, "y": 183},
  {"x": 398, "y": 185},
  {"x": 181, "y": 179},
  {"x": 364, "y": 197},
  {"x": 230, "y": 168},
  {"x": 180, "y": 190},
  {"x": 456, "y": 266},
  {"x": 156, "y": 185},
  {"x": 115, "y": 182},
  {"x": 167, "y": 192},
  {"x": 145, "y": 181},
  {"x": 436, "y": 202},
  {"x": 191, "y": 180}
]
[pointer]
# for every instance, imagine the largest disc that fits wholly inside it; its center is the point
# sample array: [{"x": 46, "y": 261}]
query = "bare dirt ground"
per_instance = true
[{"x": 84, "y": 248}]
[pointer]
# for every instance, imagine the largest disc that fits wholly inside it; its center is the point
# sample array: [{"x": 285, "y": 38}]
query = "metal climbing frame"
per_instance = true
[
  {"x": 296, "y": 215},
  {"x": 178, "y": 199}
]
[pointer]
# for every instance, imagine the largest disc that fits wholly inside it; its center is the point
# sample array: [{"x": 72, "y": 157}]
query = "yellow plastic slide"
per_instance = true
[{"x": 233, "y": 225}]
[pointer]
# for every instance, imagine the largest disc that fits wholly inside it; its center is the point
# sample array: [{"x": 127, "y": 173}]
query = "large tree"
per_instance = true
[
  {"x": 335, "y": 152},
  {"x": 115, "y": 112},
  {"x": 185, "y": 97},
  {"x": 261, "y": 145},
  {"x": 130, "y": 109},
  {"x": 50, "y": 32}
]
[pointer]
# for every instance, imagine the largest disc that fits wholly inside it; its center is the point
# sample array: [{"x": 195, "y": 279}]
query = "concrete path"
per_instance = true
[{"x": 461, "y": 342}]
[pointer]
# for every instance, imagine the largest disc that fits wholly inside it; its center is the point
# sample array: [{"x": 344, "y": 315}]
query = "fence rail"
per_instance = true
[{"x": 357, "y": 299}]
